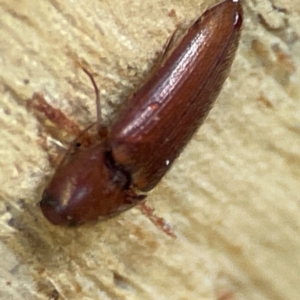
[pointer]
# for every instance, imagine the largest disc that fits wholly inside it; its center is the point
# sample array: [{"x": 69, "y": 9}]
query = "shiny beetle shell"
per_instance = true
[{"x": 155, "y": 124}]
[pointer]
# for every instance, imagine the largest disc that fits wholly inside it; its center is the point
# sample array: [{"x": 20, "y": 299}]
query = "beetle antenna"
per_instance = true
[{"x": 100, "y": 124}]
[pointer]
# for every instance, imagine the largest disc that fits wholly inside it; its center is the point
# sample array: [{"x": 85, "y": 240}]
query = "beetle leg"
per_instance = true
[
  {"x": 167, "y": 47},
  {"x": 57, "y": 129},
  {"x": 45, "y": 113},
  {"x": 159, "y": 222}
]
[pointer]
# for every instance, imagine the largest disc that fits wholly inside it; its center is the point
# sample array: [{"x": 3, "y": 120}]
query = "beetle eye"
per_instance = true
[{"x": 77, "y": 145}]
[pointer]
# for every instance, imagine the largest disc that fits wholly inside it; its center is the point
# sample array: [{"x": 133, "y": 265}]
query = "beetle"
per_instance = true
[{"x": 128, "y": 158}]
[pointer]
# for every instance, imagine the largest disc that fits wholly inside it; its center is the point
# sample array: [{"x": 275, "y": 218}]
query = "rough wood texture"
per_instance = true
[{"x": 232, "y": 198}]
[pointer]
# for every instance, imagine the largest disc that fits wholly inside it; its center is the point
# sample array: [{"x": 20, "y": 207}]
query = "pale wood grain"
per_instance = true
[{"x": 232, "y": 198}]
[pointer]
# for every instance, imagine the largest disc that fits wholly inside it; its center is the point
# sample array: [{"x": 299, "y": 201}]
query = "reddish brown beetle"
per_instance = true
[{"x": 107, "y": 177}]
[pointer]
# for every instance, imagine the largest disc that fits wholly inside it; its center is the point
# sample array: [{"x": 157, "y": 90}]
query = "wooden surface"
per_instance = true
[{"x": 232, "y": 198}]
